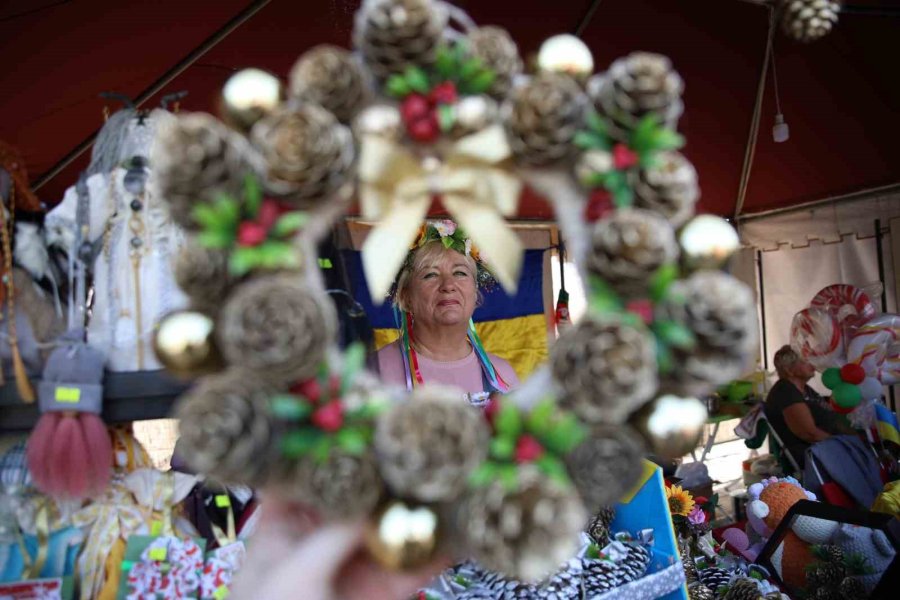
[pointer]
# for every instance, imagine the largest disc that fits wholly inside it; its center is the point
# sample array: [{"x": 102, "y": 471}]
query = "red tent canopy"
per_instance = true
[{"x": 839, "y": 95}]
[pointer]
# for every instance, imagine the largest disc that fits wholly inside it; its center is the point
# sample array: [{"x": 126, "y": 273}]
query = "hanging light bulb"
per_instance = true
[{"x": 780, "y": 132}]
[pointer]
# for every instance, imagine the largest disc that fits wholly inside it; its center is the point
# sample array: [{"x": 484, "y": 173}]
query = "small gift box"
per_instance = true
[{"x": 161, "y": 568}]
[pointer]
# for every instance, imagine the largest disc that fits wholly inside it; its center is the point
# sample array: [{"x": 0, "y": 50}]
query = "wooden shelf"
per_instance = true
[{"x": 133, "y": 396}]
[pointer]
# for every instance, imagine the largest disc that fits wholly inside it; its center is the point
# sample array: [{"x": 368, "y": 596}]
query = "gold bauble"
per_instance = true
[
  {"x": 708, "y": 241},
  {"x": 248, "y": 96},
  {"x": 474, "y": 113},
  {"x": 184, "y": 344},
  {"x": 670, "y": 424},
  {"x": 567, "y": 54},
  {"x": 403, "y": 535},
  {"x": 379, "y": 120},
  {"x": 593, "y": 162}
]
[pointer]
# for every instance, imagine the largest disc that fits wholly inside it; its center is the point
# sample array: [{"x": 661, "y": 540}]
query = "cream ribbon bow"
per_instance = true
[{"x": 396, "y": 189}]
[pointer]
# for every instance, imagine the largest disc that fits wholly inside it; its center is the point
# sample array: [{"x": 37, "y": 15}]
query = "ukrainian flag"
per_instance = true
[
  {"x": 886, "y": 420},
  {"x": 512, "y": 327}
]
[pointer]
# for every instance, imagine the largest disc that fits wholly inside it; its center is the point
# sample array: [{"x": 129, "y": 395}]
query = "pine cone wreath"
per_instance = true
[
  {"x": 343, "y": 486},
  {"x": 395, "y": 34},
  {"x": 308, "y": 154},
  {"x": 629, "y": 247},
  {"x": 606, "y": 370},
  {"x": 605, "y": 465},
  {"x": 225, "y": 428},
  {"x": 809, "y": 20},
  {"x": 202, "y": 274},
  {"x": 195, "y": 158},
  {"x": 669, "y": 187},
  {"x": 525, "y": 531},
  {"x": 542, "y": 117},
  {"x": 428, "y": 446},
  {"x": 600, "y": 523},
  {"x": 743, "y": 589},
  {"x": 636, "y": 85},
  {"x": 331, "y": 77},
  {"x": 276, "y": 326},
  {"x": 498, "y": 52},
  {"x": 698, "y": 591}
]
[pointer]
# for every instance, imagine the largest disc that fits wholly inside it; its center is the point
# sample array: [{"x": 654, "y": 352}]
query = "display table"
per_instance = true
[{"x": 716, "y": 420}]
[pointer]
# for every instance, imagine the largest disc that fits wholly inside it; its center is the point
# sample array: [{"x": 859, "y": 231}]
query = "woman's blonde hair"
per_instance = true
[
  {"x": 427, "y": 255},
  {"x": 785, "y": 358}
]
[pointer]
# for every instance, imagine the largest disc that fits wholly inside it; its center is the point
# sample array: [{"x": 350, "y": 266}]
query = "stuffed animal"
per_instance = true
[{"x": 872, "y": 545}]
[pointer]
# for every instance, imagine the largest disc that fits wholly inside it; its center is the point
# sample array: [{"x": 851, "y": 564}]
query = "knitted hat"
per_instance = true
[{"x": 73, "y": 377}]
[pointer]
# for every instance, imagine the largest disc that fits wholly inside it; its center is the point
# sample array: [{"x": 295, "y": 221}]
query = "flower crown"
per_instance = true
[{"x": 452, "y": 237}]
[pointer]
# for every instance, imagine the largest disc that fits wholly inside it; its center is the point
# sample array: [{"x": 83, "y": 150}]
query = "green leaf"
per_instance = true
[
  {"x": 553, "y": 468},
  {"x": 444, "y": 63},
  {"x": 301, "y": 442},
  {"x": 447, "y": 242},
  {"x": 482, "y": 82},
  {"x": 602, "y": 299},
  {"x": 509, "y": 476},
  {"x": 470, "y": 69},
  {"x": 565, "y": 433},
  {"x": 354, "y": 361},
  {"x": 674, "y": 334},
  {"x": 275, "y": 254},
  {"x": 397, "y": 86},
  {"x": 229, "y": 210},
  {"x": 446, "y": 117},
  {"x": 289, "y": 223},
  {"x": 417, "y": 79},
  {"x": 622, "y": 195},
  {"x": 595, "y": 180},
  {"x": 484, "y": 474},
  {"x": 589, "y": 140},
  {"x": 593, "y": 551},
  {"x": 215, "y": 239},
  {"x": 538, "y": 420},
  {"x": 323, "y": 448},
  {"x": 206, "y": 216},
  {"x": 252, "y": 194},
  {"x": 325, "y": 263},
  {"x": 664, "y": 360},
  {"x": 289, "y": 408},
  {"x": 242, "y": 261},
  {"x": 666, "y": 139},
  {"x": 596, "y": 123},
  {"x": 503, "y": 448},
  {"x": 352, "y": 440},
  {"x": 662, "y": 280},
  {"x": 508, "y": 421}
]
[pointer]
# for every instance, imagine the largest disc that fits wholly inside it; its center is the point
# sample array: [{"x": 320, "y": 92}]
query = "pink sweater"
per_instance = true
[{"x": 464, "y": 373}]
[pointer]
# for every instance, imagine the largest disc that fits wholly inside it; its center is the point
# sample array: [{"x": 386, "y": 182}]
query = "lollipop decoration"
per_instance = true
[{"x": 439, "y": 107}]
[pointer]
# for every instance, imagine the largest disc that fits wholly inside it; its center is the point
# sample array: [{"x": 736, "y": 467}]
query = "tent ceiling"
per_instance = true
[{"x": 839, "y": 95}]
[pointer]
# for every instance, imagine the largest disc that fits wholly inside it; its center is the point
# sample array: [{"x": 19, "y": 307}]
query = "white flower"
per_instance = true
[
  {"x": 445, "y": 227},
  {"x": 468, "y": 247}
]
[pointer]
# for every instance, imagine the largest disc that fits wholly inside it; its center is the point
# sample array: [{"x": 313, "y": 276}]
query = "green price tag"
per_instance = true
[
  {"x": 223, "y": 501},
  {"x": 68, "y": 395},
  {"x": 155, "y": 528},
  {"x": 221, "y": 593},
  {"x": 158, "y": 554}
]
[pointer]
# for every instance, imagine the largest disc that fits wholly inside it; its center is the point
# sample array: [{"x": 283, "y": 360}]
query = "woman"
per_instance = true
[
  {"x": 436, "y": 294},
  {"x": 799, "y": 415}
]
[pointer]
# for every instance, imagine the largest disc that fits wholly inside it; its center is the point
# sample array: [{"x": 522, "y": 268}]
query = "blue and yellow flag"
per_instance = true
[
  {"x": 886, "y": 420},
  {"x": 512, "y": 327}
]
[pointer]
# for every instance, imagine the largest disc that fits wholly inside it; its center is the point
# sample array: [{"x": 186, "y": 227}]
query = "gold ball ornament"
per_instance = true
[
  {"x": 403, "y": 535},
  {"x": 379, "y": 120},
  {"x": 184, "y": 343},
  {"x": 671, "y": 425},
  {"x": 248, "y": 96},
  {"x": 708, "y": 242},
  {"x": 566, "y": 54}
]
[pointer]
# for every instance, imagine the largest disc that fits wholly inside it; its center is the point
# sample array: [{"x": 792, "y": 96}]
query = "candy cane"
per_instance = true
[
  {"x": 816, "y": 335},
  {"x": 870, "y": 344},
  {"x": 849, "y": 304},
  {"x": 890, "y": 369}
]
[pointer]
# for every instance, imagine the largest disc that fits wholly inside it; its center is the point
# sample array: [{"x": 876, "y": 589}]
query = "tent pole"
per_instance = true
[
  {"x": 879, "y": 252},
  {"x": 762, "y": 311},
  {"x": 208, "y": 44}
]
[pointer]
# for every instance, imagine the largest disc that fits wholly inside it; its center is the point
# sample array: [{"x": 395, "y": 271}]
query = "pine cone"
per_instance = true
[
  {"x": 542, "y": 118},
  {"x": 668, "y": 188},
  {"x": 809, "y": 20},
  {"x": 344, "y": 486},
  {"x": 743, "y": 589},
  {"x": 195, "y": 158},
  {"x": 639, "y": 84},
  {"x": 598, "y": 576},
  {"x": 605, "y": 465},
  {"x": 628, "y": 248},
  {"x": 395, "y": 34},
  {"x": 714, "y": 578},
  {"x": 500, "y": 587},
  {"x": 635, "y": 563},
  {"x": 523, "y": 532},
  {"x": 497, "y": 50},
  {"x": 827, "y": 575},
  {"x": 329, "y": 76},
  {"x": 308, "y": 154},
  {"x": 600, "y": 523},
  {"x": 700, "y": 592},
  {"x": 605, "y": 369},
  {"x": 702, "y": 370},
  {"x": 428, "y": 446},
  {"x": 565, "y": 584},
  {"x": 277, "y": 327},
  {"x": 225, "y": 427},
  {"x": 852, "y": 588},
  {"x": 202, "y": 274},
  {"x": 830, "y": 553}
]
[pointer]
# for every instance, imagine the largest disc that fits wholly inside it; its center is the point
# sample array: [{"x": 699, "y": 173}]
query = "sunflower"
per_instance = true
[{"x": 680, "y": 501}]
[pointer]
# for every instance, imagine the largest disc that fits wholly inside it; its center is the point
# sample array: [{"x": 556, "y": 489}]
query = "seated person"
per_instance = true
[{"x": 798, "y": 414}]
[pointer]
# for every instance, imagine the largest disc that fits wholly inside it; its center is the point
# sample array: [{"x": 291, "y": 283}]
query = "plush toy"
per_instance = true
[
  {"x": 872, "y": 545},
  {"x": 770, "y": 500}
]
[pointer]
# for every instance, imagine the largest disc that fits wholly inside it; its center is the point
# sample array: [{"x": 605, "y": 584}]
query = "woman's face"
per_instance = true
[
  {"x": 443, "y": 293},
  {"x": 802, "y": 370}
]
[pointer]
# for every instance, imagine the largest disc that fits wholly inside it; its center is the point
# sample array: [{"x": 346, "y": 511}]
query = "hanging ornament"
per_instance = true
[
  {"x": 184, "y": 342},
  {"x": 403, "y": 535},
  {"x": 248, "y": 96},
  {"x": 707, "y": 242},
  {"x": 330, "y": 77},
  {"x": 671, "y": 425},
  {"x": 809, "y": 20},
  {"x": 566, "y": 54}
]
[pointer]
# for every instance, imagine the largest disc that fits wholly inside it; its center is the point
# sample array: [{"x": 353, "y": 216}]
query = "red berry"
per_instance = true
[
  {"x": 329, "y": 417},
  {"x": 599, "y": 205},
  {"x": 624, "y": 157},
  {"x": 642, "y": 308},
  {"x": 309, "y": 389},
  {"x": 414, "y": 107},
  {"x": 269, "y": 211},
  {"x": 425, "y": 130},
  {"x": 251, "y": 234},
  {"x": 528, "y": 449},
  {"x": 444, "y": 93}
]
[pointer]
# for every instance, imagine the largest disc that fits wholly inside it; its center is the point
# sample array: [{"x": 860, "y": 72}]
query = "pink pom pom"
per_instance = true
[
  {"x": 100, "y": 452},
  {"x": 68, "y": 460},
  {"x": 736, "y": 538},
  {"x": 37, "y": 453}
]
